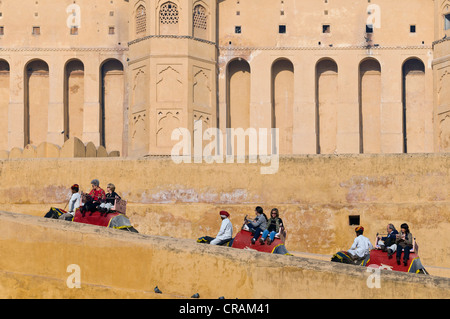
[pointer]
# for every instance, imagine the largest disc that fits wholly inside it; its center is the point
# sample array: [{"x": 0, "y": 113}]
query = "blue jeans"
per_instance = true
[
  {"x": 271, "y": 235},
  {"x": 406, "y": 252},
  {"x": 257, "y": 231}
]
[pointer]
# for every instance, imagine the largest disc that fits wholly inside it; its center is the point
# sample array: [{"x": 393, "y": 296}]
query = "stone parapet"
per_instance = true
[
  {"x": 73, "y": 147},
  {"x": 43, "y": 258}
]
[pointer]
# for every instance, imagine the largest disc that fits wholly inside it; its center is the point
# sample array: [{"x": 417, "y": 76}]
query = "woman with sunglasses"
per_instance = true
[{"x": 275, "y": 226}]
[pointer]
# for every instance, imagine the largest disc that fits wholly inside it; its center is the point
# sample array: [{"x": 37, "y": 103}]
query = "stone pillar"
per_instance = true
[
  {"x": 260, "y": 92},
  {"x": 16, "y": 108},
  {"x": 391, "y": 105},
  {"x": 92, "y": 91},
  {"x": 55, "y": 132},
  {"x": 429, "y": 105},
  {"x": 304, "y": 130},
  {"x": 347, "y": 139}
]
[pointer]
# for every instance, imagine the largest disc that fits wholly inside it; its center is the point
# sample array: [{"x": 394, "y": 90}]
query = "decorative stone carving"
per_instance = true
[
  {"x": 168, "y": 18},
  {"x": 204, "y": 117},
  {"x": 200, "y": 22},
  {"x": 444, "y": 88},
  {"x": 202, "y": 87},
  {"x": 139, "y": 90},
  {"x": 139, "y": 132},
  {"x": 141, "y": 20},
  {"x": 169, "y": 86},
  {"x": 444, "y": 132},
  {"x": 168, "y": 120},
  {"x": 205, "y": 121}
]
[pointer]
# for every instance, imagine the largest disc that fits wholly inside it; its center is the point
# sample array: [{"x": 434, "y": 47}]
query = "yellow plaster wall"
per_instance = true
[
  {"x": 36, "y": 253},
  {"x": 315, "y": 195}
]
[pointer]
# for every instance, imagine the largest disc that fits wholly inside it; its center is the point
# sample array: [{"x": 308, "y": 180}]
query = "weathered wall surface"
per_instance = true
[
  {"x": 315, "y": 195},
  {"x": 36, "y": 253}
]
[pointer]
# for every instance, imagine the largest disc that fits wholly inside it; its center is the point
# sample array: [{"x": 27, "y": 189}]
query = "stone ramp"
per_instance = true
[{"x": 41, "y": 258}]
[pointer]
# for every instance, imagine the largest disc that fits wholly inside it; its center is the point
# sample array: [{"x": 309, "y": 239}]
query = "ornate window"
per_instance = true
[
  {"x": 200, "y": 18},
  {"x": 200, "y": 22},
  {"x": 141, "y": 20},
  {"x": 169, "y": 13}
]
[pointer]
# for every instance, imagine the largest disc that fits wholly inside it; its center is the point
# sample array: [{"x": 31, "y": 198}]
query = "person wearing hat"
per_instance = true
[
  {"x": 361, "y": 245},
  {"x": 226, "y": 230},
  {"x": 74, "y": 203}
]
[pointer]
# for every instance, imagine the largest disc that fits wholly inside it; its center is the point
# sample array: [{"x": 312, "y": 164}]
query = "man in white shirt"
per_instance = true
[
  {"x": 74, "y": 203},
  {"x": 361, "y": 245},
  {"x": 226, "y": 230}
]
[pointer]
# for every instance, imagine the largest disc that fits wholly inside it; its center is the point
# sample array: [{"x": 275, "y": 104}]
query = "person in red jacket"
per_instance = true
[{"x": 97, "y": 193}]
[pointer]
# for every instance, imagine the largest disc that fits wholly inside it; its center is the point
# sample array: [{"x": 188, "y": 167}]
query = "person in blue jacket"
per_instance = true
[{"x": 389, "y": 244}]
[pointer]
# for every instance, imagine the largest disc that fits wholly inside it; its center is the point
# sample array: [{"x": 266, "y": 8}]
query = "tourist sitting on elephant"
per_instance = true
[
  {"x": 110, "y": 197},
  {"x": 275, "y": 226},
  {"x": 404, "y": 243},
  {"x": 257, "y": 225},
  {"x": 225, "y": 233},
  {"x": 226, "y": 230},
  {"x": 74, "y": 203},
  {"x": 97, "y": 193},
  {"x": 361, "y": 245},
  {"x": 388, "y": 243}
]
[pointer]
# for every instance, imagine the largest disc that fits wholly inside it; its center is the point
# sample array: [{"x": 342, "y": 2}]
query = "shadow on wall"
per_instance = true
[{"x": 73, "y": 147}]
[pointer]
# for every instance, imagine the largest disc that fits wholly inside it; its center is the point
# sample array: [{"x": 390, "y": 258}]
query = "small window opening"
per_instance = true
[
  {"x": 412, "y": 28},
  {"x": 281, "y": 29},
  {"x": 237, "y": 29},
  {"x": 447, "y": 22},
  {"x": 326, "y": 28},
  {"x": 369, "y": 28},
  {"x": 36, "y": 30},
  {"x": 353, "y": 220}
]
